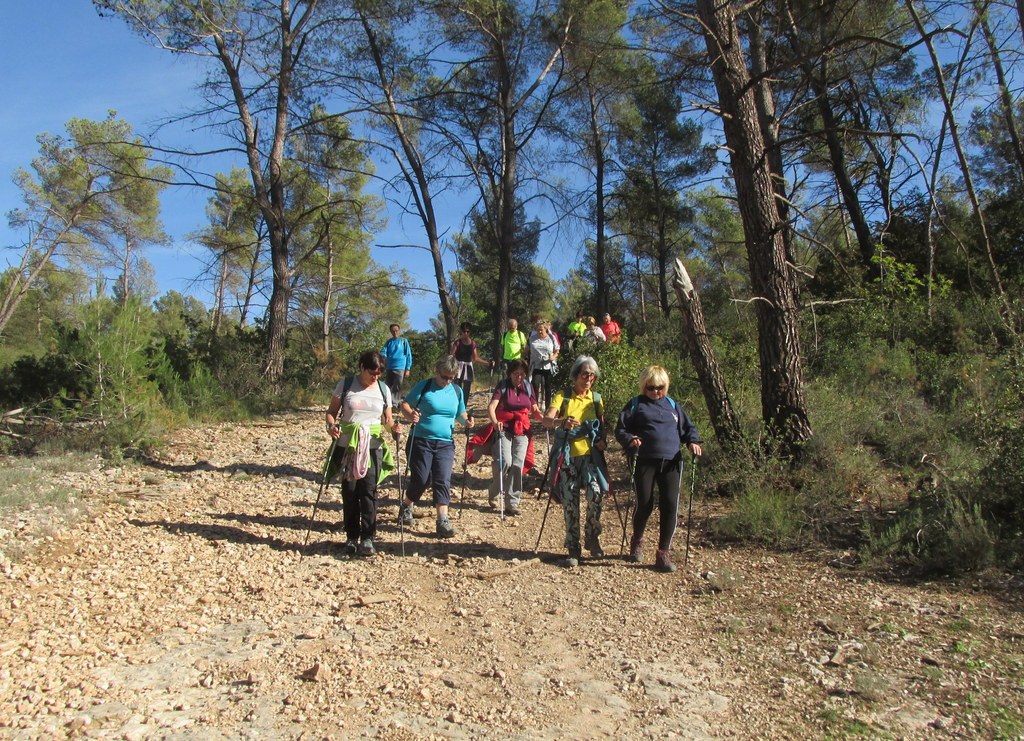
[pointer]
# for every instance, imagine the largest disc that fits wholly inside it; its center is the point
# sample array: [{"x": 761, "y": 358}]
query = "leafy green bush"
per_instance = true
[
  {"x": 762, "y": 514},
  {"x": 937, "y": 534}
]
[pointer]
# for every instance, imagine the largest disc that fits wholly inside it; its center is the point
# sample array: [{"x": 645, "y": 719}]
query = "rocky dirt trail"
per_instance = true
[{"x": 183, "y": 607}]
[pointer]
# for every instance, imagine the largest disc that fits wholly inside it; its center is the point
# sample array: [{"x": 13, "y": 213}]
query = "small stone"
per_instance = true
[
  {"x": 319, "y": 672},
  {"x": 80, "y": 722}
]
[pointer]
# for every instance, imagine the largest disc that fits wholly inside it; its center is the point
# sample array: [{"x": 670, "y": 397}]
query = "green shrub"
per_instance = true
[
  {"x": 764, "y": 515},
  {"x": 937, "y": 534}
]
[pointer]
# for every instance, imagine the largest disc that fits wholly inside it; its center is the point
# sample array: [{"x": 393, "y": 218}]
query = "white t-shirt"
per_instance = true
[
  {"x": 362, "y": 405},
  {"x": 541, "y": 350}
]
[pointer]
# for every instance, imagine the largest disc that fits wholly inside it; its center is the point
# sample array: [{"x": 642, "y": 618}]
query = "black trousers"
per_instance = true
[
  {"x": 664, "y": 474},
  {"x": 359, "y": 501},
  {"x": 542, "y": 383}
]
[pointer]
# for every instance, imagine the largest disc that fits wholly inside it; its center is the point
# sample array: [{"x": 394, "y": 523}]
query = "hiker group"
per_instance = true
[{"x": 652, "y": 429}]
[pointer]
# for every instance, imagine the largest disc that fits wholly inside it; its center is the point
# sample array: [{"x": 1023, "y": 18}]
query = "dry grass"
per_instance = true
[{"x": 37, "y": 499}]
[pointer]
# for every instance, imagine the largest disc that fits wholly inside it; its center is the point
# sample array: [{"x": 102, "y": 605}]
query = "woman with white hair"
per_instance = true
[{"x": 578, "y": 415}]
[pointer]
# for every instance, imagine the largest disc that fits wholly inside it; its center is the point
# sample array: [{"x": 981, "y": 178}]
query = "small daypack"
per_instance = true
[{"x": 635, "y": 402}]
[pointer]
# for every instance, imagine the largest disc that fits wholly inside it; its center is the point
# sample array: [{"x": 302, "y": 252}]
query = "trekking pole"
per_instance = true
[
  {"x": 632, "y": 486},
  {"x": 547, "y": 470},
  {"x": 554, "y": 481},
  {"x": 543, "y": 520},
  {"x": 689, "y": 515},
  {"x": 401, "y": 489},
  {"x": 615, "y": 499},
  {"x": 323, "y": 485},
  {"x": 618, "y": 512},
  {"x": 501, "y": 476}
]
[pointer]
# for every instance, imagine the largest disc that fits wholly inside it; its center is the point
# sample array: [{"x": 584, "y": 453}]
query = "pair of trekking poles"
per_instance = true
[{"x": 325, "y": 482}]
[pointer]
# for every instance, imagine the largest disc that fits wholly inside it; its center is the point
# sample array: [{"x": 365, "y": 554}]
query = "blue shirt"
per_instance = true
[
  {"x": 397, "y": 354},
  {"x": 438, "y": 408}
]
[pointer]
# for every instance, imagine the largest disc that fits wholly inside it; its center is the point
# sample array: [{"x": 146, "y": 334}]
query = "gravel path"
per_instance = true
[{"x": 183, "y": 607}]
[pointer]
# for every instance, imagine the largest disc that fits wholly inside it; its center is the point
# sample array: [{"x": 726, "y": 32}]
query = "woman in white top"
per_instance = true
[
  {"x": 359, "y": 412},
  {"x": 594, "y": 332},
  {"x": 544, "y": 349}
]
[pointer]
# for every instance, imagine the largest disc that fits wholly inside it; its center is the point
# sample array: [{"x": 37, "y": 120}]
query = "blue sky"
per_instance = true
[{"x": 63, "y": 61}]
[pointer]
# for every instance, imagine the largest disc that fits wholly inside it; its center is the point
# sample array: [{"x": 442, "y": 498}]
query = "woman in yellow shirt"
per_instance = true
[{"x": 578, "y": 414}]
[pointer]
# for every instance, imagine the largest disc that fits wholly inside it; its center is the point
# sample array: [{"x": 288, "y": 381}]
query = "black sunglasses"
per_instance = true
[{"x": 655, "y": 388}]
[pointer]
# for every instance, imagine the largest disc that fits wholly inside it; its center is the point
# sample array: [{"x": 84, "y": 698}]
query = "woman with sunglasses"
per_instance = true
[
  {"x": 578, "y": 415},
  {"x": 359, "y": 412},
  {"x": 433, "y": 406},
  {"x": 465, "y": 351},
  {"x": 652, "y": 429}
]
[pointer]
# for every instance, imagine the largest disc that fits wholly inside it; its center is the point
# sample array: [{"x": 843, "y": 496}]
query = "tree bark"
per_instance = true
[
  {"x": 1006, "y": 103},
  {"x": 218, "y": 308},
  {"x": 702, "y": 355},
  {"x": 600, "y": 246},
  {"x": 765, "y": 101},
  {"x": 783, "y": 407},
  {"x": 818, "y": 81},
  {"x": 325, "y": 326}
]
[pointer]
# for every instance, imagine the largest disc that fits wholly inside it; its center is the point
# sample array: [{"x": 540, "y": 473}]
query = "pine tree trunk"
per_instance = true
[{"x": 783, "y": 407}]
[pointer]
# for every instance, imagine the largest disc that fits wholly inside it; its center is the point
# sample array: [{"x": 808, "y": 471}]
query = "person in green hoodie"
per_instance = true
[{"x": 513, "y": 344}]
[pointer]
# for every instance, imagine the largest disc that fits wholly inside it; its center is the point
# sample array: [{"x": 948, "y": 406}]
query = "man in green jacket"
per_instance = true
[
  {"x": 513, "y": 343},
  {"x": 575, "y": 329}
]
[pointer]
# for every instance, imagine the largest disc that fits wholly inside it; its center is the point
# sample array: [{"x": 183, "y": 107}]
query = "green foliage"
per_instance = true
[
  {"x": 620, "y": 365},
  {"x": 937, "y": 534},
  {"x": 763, "y": 515},
  {"x": 91, "y": 202},
  {"x": 117, "y": 352},
  {"x": 474, "y": 284},
  {"x": 29, "y": 482}
]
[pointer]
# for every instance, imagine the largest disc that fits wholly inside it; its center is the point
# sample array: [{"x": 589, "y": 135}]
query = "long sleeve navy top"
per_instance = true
[{"x": 662, "y": 426}]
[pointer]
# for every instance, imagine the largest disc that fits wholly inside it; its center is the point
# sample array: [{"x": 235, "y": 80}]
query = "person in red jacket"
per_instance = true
[
  {"x": 612, "y": 330},
  {"x": 513, "y": 405}
]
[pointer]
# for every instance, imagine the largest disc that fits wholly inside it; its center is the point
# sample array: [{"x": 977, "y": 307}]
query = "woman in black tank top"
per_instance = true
[{"x": 465, "y": 351}]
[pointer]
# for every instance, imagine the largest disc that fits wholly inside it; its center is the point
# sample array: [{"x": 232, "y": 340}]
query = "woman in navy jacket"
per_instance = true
[{"x": 653, "y": 428}]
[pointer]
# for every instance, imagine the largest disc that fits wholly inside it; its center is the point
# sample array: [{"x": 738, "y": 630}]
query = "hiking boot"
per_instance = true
[
  {"x": 405, "y": 514},
  {"x": 512, "y": 510},
  {"x": 595, "y": 548},
  {"x": 663, "y": 561},
  {"x": 444, "y": 527},
  {"x": 571, "y": 561},
  {"x": 366, "y": 548},
  {"x": 636, "y": 550},
  {"x": 350, "y": 547}
]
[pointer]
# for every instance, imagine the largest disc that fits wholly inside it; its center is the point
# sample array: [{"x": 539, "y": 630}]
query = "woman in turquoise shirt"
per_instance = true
[{"x": 433, "y": 406}]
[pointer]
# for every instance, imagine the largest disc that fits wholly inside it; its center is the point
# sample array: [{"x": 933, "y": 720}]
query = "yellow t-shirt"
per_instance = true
[{"x": 581, "y": 408}]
